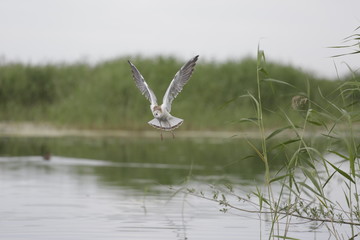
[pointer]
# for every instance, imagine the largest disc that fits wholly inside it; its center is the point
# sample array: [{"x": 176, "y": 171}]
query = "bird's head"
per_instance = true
[{"x": 157, "y": 112}]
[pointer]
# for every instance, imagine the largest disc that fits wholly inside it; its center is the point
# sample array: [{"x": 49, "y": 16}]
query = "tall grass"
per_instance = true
[
  {"x": 303, "y": 187},
  {"x": 104, "y": 95}
]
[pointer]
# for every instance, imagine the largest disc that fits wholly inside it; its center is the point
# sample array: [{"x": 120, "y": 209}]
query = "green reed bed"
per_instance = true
[{"x": 104, "y": 95}]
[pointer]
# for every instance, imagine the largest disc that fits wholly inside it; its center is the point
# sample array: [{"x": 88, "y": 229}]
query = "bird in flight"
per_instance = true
[{"x": 163, "y": 119}]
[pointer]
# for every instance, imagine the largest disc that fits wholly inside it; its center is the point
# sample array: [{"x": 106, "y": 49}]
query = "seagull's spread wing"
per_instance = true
[
  {"x": 177, "y": 84},
  {"x": 142, "y": 85}
]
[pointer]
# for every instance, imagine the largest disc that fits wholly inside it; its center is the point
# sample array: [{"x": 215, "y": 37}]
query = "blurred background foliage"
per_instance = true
[{"x": 104, "y": 96}]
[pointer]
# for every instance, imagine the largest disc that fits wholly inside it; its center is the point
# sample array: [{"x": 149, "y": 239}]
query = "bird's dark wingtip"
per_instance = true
[{"x": 195, "y": 58}]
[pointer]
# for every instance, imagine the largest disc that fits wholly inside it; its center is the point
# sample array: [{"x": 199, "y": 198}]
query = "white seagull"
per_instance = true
[{"x": 163, "y": 119}]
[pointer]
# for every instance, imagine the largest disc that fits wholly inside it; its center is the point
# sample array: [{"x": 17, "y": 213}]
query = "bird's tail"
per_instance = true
[{"x": 166, "y": 125}]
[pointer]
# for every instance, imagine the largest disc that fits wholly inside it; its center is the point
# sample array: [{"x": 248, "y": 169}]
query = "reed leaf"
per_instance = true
[{"x": 344, "y": 174}]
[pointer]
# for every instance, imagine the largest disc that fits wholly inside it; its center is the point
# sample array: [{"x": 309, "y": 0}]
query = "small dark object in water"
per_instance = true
[
  {"x": 46, "y": 156},
  {"x": 45, "y": 153}
]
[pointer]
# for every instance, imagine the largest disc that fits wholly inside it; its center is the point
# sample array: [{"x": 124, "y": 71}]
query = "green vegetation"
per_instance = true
[
  {"x": 311, "y": 182},
  {"x": 104, "y": 95}
]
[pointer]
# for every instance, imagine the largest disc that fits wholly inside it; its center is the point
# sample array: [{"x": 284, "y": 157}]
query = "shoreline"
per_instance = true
[
  {"x": 28, "y": 129},
  {"x": 46, "y": 130}
]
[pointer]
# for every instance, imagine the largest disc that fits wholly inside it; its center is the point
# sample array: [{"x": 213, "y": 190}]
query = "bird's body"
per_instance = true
[{"x": 163, "y": 120}]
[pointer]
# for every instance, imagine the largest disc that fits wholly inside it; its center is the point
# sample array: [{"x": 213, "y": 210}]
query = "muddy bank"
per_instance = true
[
  {"x": 28, "y": 129},
  {"x": 46, "y": 130}
]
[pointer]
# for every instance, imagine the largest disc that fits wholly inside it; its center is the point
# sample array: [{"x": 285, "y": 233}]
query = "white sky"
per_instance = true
[{"x": 295, "y": 32}]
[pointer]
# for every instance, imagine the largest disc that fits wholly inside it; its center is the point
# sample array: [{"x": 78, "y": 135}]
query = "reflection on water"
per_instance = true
[
  {"x": 78, "y": 188},
  {"x": 125, "y": 159}
]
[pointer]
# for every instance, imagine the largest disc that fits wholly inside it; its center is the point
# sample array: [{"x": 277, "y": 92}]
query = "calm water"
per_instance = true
[{"x": 126, "y": 189}]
